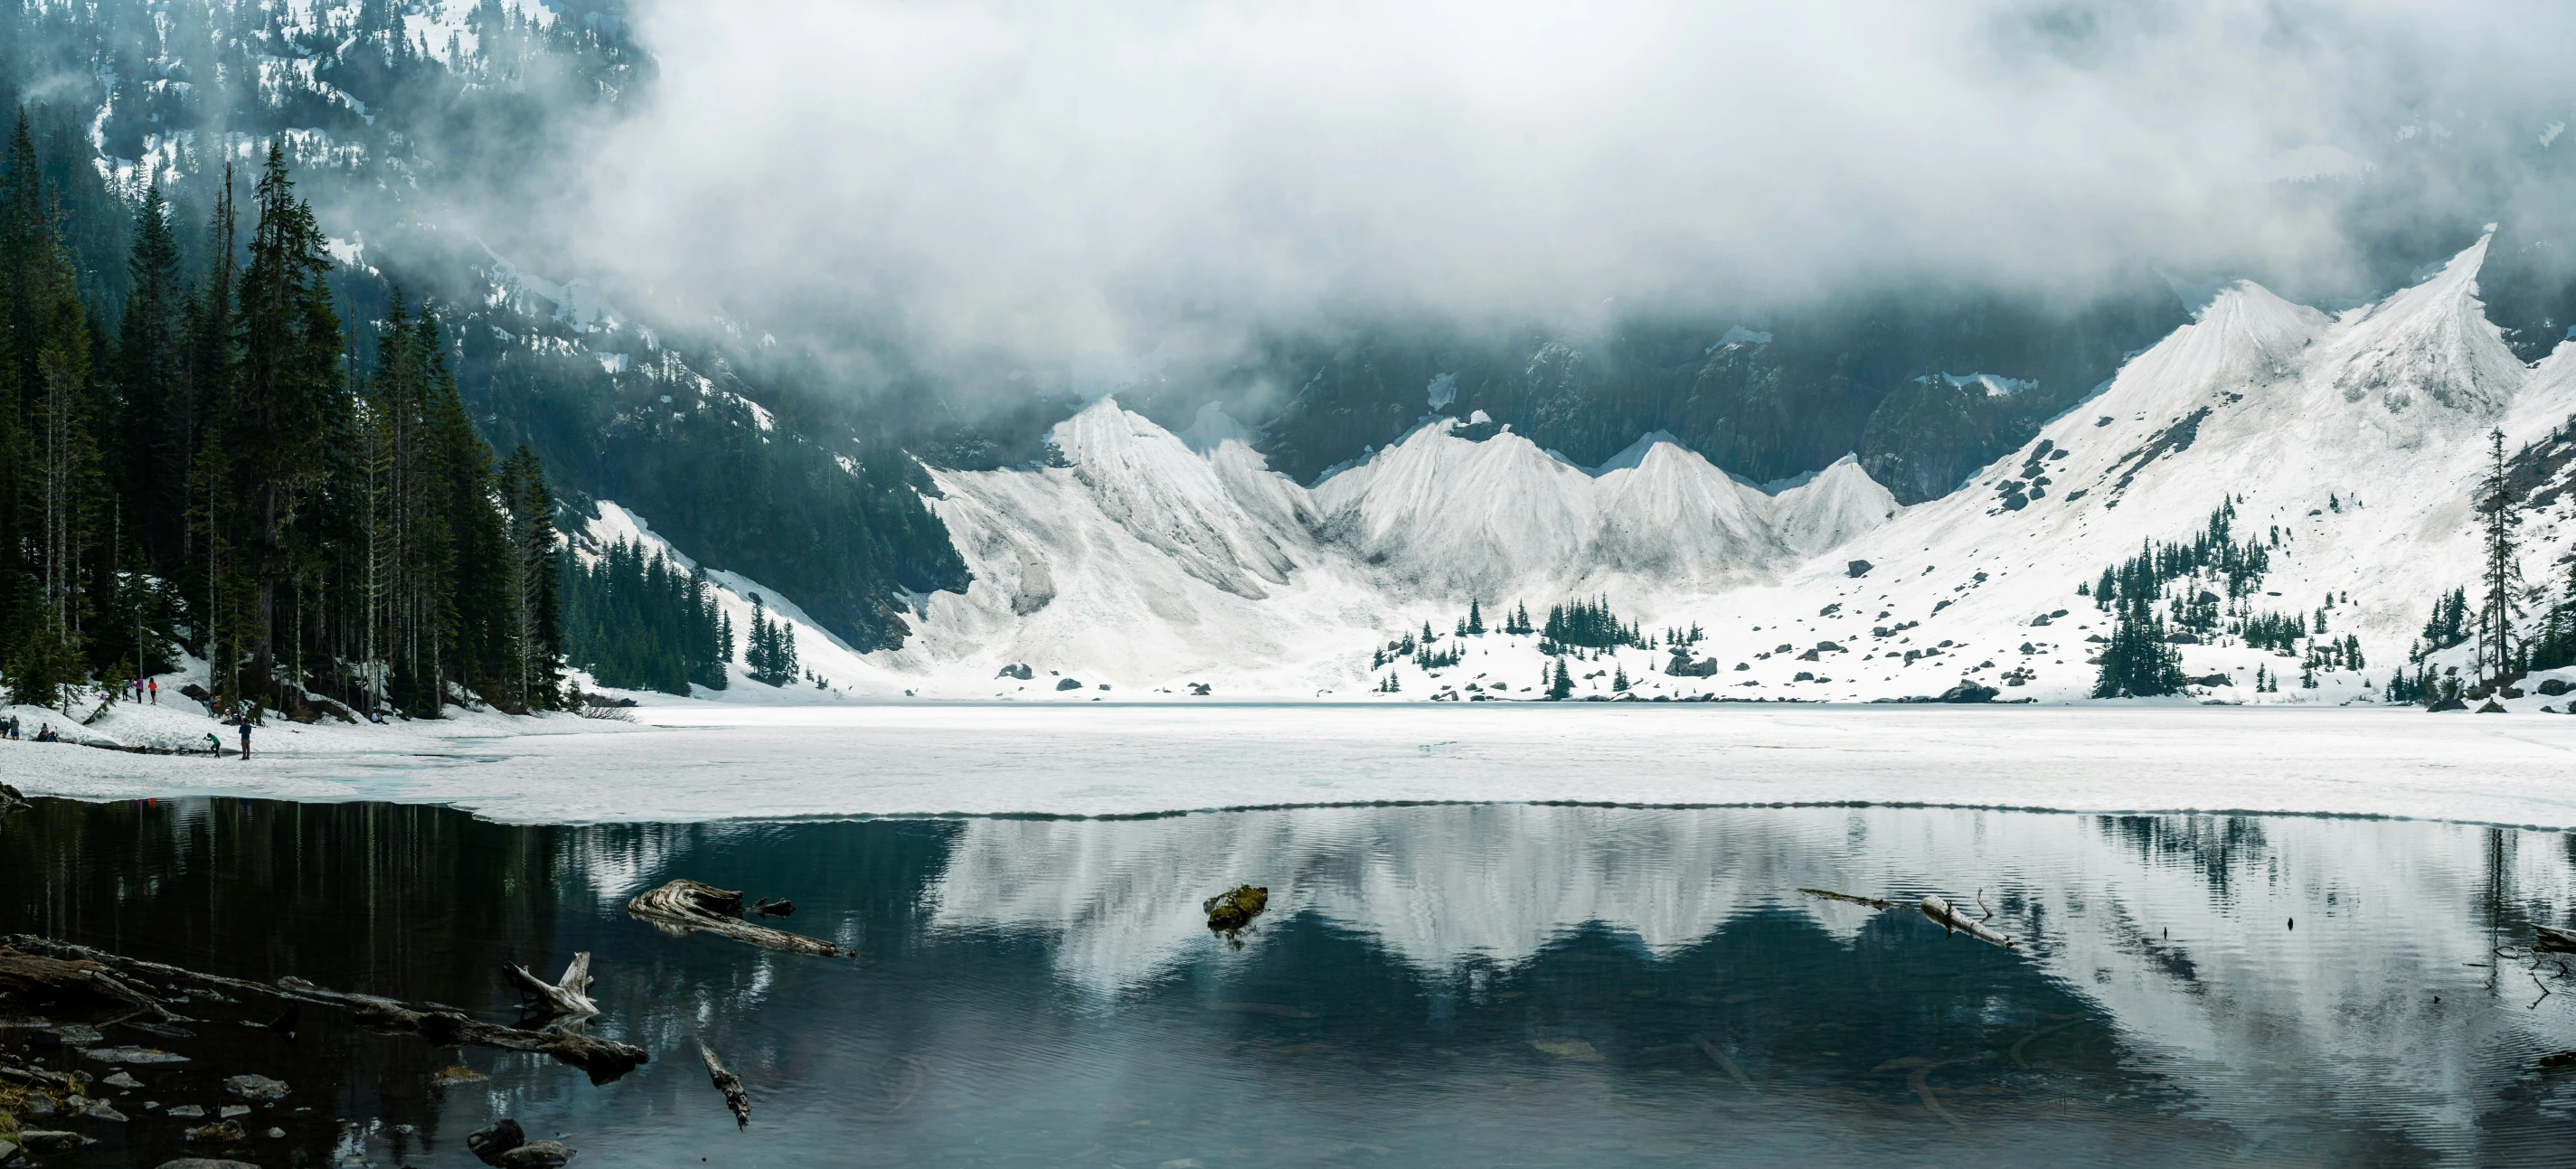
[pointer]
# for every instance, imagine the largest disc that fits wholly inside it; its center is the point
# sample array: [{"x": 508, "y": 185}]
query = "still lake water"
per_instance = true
[{"x": 1432, "y": 985}]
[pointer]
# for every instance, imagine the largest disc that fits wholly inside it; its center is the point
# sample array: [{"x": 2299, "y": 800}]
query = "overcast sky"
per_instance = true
[{"x": 1092, "y": 177}]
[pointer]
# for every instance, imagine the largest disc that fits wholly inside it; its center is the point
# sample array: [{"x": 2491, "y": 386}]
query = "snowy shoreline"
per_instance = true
[{"x": 688, "y": 762}]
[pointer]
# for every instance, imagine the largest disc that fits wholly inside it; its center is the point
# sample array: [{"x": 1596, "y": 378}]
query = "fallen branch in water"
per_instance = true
[
  {"x": 1830, "y": 895},
  {"x": 568, "y": 995},
  {"x": 684, "y": 907},
  {"x": 1948, "y": 917},
  {"x": 12, "y": 800},
  {"x": 729, "y": 1084},
  {"x": 604, "y": 1059},
  {"x": 1710, "y": 1050}
]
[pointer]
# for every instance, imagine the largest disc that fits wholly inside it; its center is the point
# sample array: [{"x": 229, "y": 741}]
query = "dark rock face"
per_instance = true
[
  {"x": 1682, "y": 667},
  {"x": 1969, "y": 692},
  {"x": 2214, "y": 680},
  {"x": 2444, "y": 704},
  {"x": 1069, "y": 684},
  {"x": 1859, "y": 567}
]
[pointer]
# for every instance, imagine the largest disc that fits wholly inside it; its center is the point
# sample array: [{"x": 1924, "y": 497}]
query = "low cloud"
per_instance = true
[{"x": 1090, "y": 182}]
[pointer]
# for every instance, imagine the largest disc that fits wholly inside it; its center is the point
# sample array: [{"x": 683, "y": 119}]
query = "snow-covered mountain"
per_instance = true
[{"x": 2345, "y": 443}]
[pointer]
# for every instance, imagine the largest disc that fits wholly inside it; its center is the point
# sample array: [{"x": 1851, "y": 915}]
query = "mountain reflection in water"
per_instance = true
[{"x": 1526, "y": 985}]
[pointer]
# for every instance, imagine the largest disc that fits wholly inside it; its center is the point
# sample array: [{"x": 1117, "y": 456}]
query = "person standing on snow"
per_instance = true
[
  {"x": 155, "y": 685},
  {"x": 245, "y": 736}
]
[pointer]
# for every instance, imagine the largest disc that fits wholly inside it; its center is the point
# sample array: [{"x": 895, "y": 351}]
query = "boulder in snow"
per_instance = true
[
  {"x": 2554, "y": 687},
  {"x": 1019, "y": 670},
  {"x": 1859, "y": 567},
  {"x": 1069, "y": 684},
  {"x": 1969, "y": 692}
]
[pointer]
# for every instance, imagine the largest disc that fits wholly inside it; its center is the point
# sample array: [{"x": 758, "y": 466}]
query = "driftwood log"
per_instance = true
[
  {"x": 685, "y": 907},
  {"x": 2552, "y": 940},
  {"x": 72, "y": 982},
  {"x": 729, "y": 1084},
  {"x": 12, "y": 800},
  {"x": 1948, "y": 917},
  {"x": 604, "y": 1059},
  {"x": 565, "y": 996}
]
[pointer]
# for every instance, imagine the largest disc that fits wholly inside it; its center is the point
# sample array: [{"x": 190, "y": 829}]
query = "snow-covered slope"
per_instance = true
[{"x": 2345, "y": 444}]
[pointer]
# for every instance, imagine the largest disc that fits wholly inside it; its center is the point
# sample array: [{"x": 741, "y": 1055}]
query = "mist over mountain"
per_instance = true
[{"x": 749, "y": 273}]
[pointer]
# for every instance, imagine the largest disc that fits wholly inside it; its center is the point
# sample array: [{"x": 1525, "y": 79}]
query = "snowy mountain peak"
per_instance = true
[{"x": 2429, "y": 345}]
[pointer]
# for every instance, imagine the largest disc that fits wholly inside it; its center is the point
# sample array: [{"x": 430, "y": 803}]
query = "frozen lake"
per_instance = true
[{"x": 702, "y": 761}]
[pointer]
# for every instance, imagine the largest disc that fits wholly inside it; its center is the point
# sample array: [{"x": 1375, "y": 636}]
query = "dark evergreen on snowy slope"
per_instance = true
[
  {"x": 218, "y": 472},
  {"x": 636, "y": 621},
  {"x": 770, "y": 472}
]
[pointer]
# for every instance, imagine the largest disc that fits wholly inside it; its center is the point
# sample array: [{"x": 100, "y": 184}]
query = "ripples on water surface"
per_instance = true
[{"x": 1431, "y": 985}]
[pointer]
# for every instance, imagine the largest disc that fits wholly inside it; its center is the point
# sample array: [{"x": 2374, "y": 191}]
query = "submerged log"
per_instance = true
[
  {"x": 604, "y": 1059},
  {"x": 1236, "y": 907},
  {"x": 685, "y": 907},
  {"x": 568, "y": 995},
  {"x": 729, "y": 1084},
  {"x": 2553, "y": 940},
  {"x": 1949, "y": 918}
]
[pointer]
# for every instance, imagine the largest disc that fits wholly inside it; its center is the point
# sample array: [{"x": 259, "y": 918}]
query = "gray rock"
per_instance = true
[
  {"x": 488, "y": 1143},
  {"x": 230, "y": 1111},
  {"x": 186, "y": 1110},
  {"x": 1069, "y": 684},
  {"x": 538, "y": 1155},
  {"x": 259, "y": 1088},
  {"x": 102, "y": 1110},
  {"x": 131, "y": 1055},
  {"x": 276, "y": 1134},
  {"x": 220, "y": 1132},
  {"x": 43, "y": 1140},
  {"x": 1019, "y": 670},
  {"x": 206, "y": 1163},
  {"x": 122, "y": 1080},
  {"x": 1969, "y": 692},
  {"x": 1859, "y": 568},
  {"x": 2554, "y": 687}
]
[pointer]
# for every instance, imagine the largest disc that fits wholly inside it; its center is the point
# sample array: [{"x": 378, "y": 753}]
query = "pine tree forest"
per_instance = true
[{"x": 226, "y": 466}]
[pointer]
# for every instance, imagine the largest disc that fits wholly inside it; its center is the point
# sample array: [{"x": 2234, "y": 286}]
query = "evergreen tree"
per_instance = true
[
  {"x": 151, "y": 463},
  {"x": 2501, "y": 565},
  {"x": 1561, "y": 686},
  {"x": 2138, "y": 662},
  {"x": 636, "y": 621},
  {"x": 1475, "y": 619},
  {"x": 274, "y": 421}
]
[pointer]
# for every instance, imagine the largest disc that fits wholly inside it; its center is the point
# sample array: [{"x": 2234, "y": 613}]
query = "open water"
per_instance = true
[{"x": 1431, "y": 985}]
